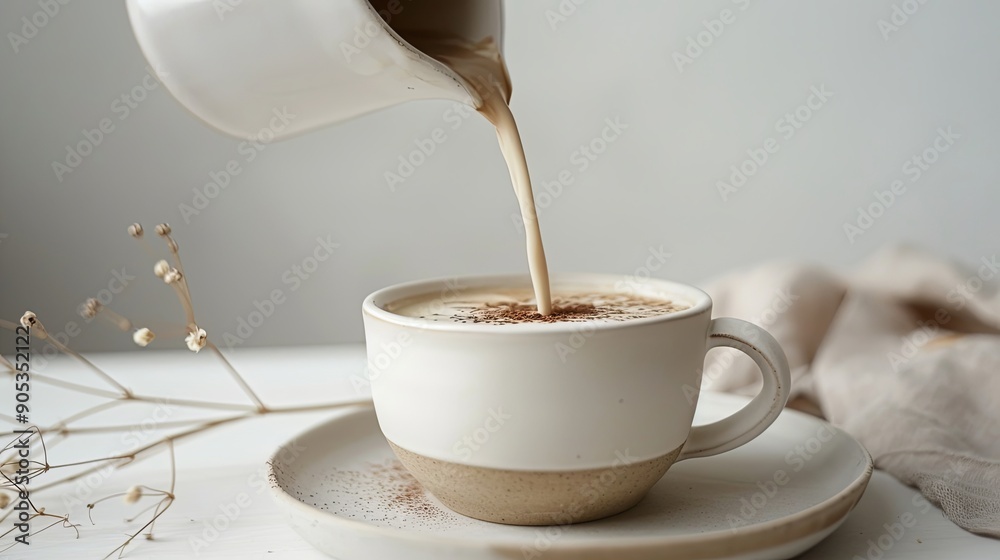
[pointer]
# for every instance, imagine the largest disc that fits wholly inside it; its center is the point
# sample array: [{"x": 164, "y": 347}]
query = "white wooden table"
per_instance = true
[{"x": 216, "y": 468}]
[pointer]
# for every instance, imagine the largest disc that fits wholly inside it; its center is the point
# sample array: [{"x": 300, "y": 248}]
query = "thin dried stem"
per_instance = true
[
  {"x": 138, "y": 515},
  {"x": 83, "y": 414},
  {"x": 185, "y": 302},
  {"x": 69, "y": 385},
  {"x": 69, "y": 351},
  {"x": 137, "y": 455},
  {"x": 105, "y": 498},
  {"x": 170, "y": 494},
  {"x": 190, "y": 403},
  {"x": 125, "y": 427},
  {"x": 147, "y": 247},
  {"x": 183, "y": 291},
  {"x": 173, "y": 470},
  {"x": 121, "y": 548},
  {"x": 211, "y": 405},
  {"x": 239, "y": 378},
  {"x": 116, "y": 319}
]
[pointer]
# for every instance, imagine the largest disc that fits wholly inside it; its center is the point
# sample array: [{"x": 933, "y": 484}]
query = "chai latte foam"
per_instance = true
[{"x": 502, "y": 306}]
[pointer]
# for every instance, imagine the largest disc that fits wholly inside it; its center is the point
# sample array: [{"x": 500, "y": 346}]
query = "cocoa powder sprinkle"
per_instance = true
[{"x": 603, "y": 307}]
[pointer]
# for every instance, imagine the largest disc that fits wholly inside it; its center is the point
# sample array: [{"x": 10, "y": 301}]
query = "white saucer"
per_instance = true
[{"x": 773, "y": 498}]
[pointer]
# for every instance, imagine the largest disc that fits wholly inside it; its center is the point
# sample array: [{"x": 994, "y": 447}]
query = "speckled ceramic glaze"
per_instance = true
[
  {"x": 342, "y": 488},
  {"x": 533, "y": 497}
]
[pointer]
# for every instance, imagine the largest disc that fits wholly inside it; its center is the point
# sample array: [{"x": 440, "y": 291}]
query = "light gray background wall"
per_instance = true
[{"x": 61, "y": 242}]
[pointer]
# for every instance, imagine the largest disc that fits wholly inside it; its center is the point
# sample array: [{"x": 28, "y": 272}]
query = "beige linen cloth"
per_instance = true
[{"x": 903, "y": 353}]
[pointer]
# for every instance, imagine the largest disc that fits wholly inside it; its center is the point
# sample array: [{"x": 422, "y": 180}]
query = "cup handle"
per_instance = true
[{"x": 748, "y": 423}]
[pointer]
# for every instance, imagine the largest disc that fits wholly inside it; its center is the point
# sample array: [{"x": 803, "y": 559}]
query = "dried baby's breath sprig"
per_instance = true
[
  {"x": 29, "y": 319},
  {"x": 161, "y": 268},
  {"x": 175, "y": 276},
  {"x": 132, "y": 495},
  {"x": 184, "y": 296},
  {"x": 180, "y": 429},
  {"x": 90, "y": 308},
  {"x": 143, "y": 337},
  {"x": 42, "y": 333},
  {"x": 196, "y": 339},
  {"x": 135, "y": 230},
  {"x": 94, "y": 308},
  {"x": 172, "y": 276}
]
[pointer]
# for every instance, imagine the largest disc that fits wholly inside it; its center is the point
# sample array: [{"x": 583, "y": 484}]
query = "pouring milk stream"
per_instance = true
[{"x": 334, "y": 60}]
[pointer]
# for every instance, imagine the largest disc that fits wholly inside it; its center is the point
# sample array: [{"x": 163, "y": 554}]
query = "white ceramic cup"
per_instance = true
[{"x": 554, "y": 423}]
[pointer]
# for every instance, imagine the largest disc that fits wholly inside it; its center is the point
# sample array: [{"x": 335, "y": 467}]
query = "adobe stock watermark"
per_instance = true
[
  {"x": 796, "y": 459},
  {"x": 580, "y": 161},
  {"x": 248, "y": 151},
  {"x": 958, "y": 297},
  {"x": 423, "y": 149},
  {"x": 469, "y": 444},
  {"x": 697, "y": 43},
  {"x": 292, "y": 279},
  {"x": 425, "y": 146},
  {"x": 116, "y": 284},
  {"x": 898, "y": 17},
  {"x": 379, "y": 361},
  {"x": 365, "y": 32},
  {"x": 913, "y": 169},
  {"x": 231, "y": 510},
  {"x": 91, "y": 138},
  {"x": 589, "y": 492},
  {"x": 631, "y": 284},
  {"x": 31, "y": 26},
  {"x": 138, "y": 434},
  {"x": 225, "y": 7},
  {"x": 562, "y": 12},
  {"x": 786, "y": 126}
]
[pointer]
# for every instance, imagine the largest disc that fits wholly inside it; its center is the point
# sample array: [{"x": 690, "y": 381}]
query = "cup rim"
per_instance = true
[{"x": 700, "y": 302}]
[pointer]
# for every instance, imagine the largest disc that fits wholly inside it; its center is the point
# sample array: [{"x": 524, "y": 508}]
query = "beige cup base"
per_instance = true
[{"x": 535, "y": 497}]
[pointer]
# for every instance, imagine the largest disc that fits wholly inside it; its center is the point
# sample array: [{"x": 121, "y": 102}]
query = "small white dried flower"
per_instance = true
[
  {"x": 29, "y": 319},
  {"x": 172, "y": 275},
  {"x": 135, "y": 230},
  {"x": 90, "y": 308},
  {"x": 163, "y": 229},
  {"x": 196, "y": 339},
  {"x": 143, "y": 337},
  {"x": 161, "y": 268},
  {"x": 132, "y": 495},
  {"x": 4, "y": 500}
]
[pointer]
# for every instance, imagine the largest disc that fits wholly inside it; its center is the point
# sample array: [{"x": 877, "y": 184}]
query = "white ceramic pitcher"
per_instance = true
[{"x": 237, "y": 63}]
